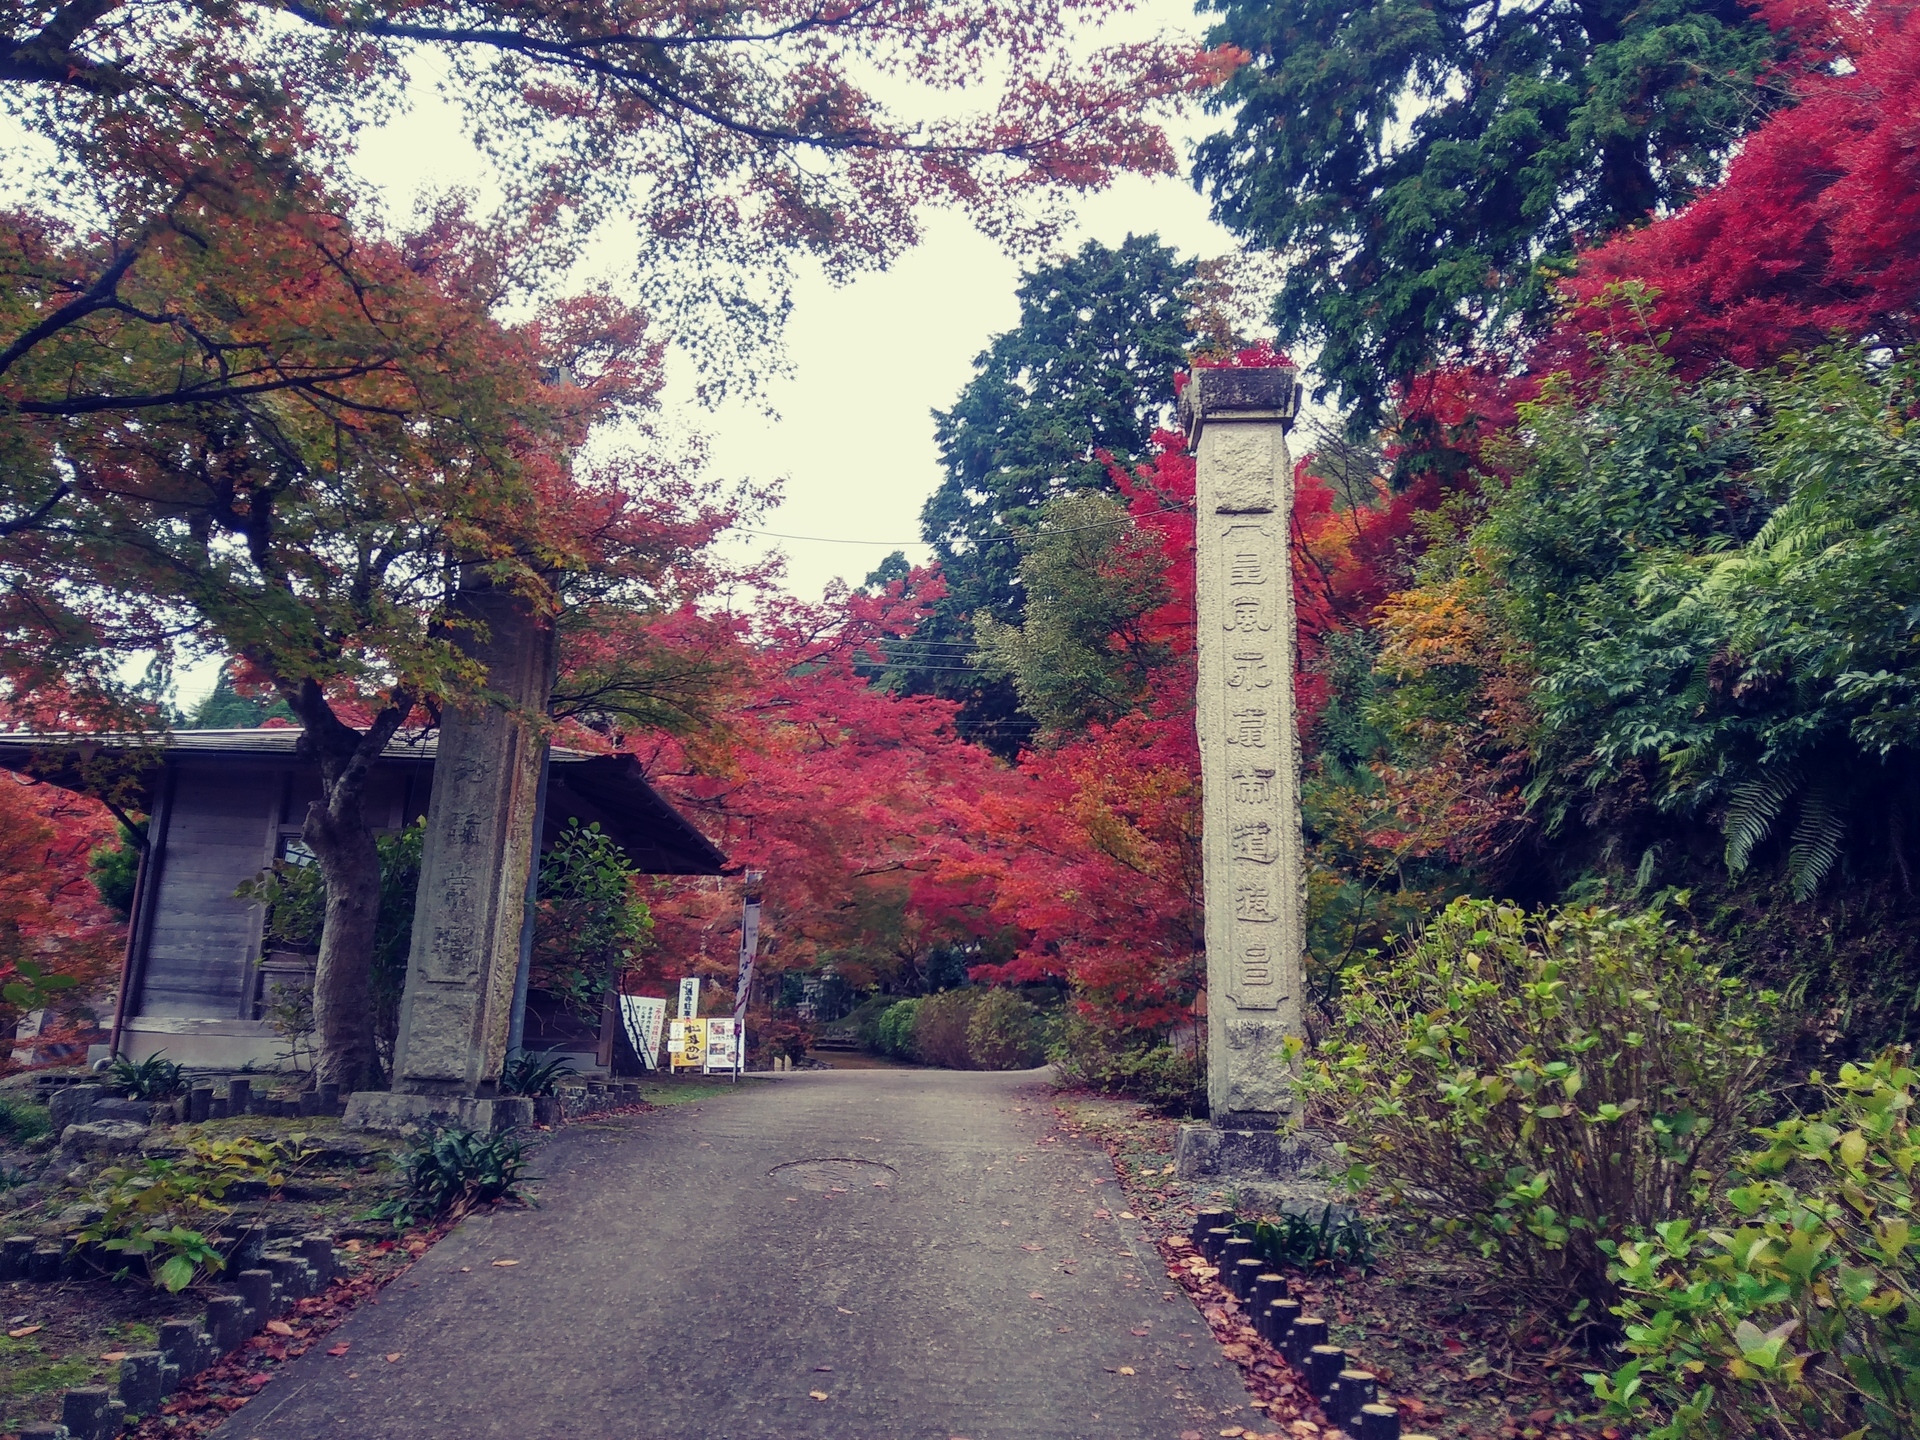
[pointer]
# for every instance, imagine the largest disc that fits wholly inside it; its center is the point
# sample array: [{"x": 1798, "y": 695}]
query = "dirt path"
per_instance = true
[{"x": 923, "y": 1249}]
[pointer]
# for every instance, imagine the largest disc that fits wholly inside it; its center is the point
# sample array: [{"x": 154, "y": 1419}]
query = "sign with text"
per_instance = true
[
  {"x": 689, "y": 997},
  {"x": 645, "y": 1017},
  {"x": 687, "y": 1044},
  {"x": 725, "y": 1044}
]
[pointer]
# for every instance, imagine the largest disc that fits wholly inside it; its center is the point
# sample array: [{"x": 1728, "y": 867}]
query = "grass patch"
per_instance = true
[{"x": 677, "y": 1091}]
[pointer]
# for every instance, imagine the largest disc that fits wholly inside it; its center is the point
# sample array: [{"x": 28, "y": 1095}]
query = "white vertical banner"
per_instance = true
[
  {"x": 749, "y": 944},
  {"x": 689, "y": 998},
  {"x": 645, "y": 1017}
]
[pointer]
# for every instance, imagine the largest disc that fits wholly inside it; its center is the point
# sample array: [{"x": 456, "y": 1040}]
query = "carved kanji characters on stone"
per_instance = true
[
  {"x": 1253, "y": 840},
  {"x": 1248, "y": 727},
  {"x": 1254, "y": 903},
  {"x": 1252, "y": 784},
  {"x": 1248, "y": 671},
  {"x": 1246, "y": 568},
  {"x": 1247, "y": 615},
  {"x": 1256, "y": 965}
]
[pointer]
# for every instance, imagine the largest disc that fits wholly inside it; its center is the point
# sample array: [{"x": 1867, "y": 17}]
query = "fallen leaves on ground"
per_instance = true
[
  {"x": 816, "y": 1394},
  {"x": 504, "y": 1263},
  {"x": 24, "y": 1331}
]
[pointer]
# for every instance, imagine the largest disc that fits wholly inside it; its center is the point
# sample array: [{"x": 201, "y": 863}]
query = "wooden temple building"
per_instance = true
[{"x": 225, "y": 804}]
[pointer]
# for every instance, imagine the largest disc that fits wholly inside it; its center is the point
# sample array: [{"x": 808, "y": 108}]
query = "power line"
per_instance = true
[{"x": 977, "y": 541}]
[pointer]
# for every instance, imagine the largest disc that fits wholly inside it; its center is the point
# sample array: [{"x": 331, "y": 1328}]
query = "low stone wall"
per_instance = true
[{"x": 274, "y": 1278}]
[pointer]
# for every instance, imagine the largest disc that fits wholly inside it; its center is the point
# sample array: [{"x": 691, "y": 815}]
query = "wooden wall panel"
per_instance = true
[{"x": 203, "y": 942}]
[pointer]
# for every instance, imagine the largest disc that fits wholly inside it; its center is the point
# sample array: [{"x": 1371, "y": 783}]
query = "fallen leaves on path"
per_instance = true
[
  {"x": 816, "y": 1394},
  {"x": 504, "y": 1263},
  {"x": 24, "y": 1331},
  {"x": 338, "y": 1350},
  {"x": 394, "y": 1358}
]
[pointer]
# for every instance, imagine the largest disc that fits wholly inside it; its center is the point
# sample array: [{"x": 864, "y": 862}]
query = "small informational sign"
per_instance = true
[
  {"x": 645, "y": 1017},
  {"x": 724, "y": 1044},
  {"x": 687, "y": 1044},
  {"x": 689, "y": 997}
]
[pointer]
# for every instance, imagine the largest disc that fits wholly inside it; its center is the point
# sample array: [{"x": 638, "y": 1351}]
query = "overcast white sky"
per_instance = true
[{"x": 851, "y": 435}]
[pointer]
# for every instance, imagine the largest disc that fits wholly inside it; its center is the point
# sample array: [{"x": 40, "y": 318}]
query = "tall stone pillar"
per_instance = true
[
  {"x": 471, "y": 904},
  {"x": 1236, "y": 421}
]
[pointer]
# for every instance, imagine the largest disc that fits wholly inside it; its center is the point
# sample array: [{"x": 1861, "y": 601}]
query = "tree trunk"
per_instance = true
[{"x": 337, "y": 831}]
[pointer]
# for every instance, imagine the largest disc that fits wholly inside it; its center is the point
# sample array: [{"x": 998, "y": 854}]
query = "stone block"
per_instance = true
[
  {"x": 391, "y": 1113},
  {"x": 143, "y": 1382},
  {"x": 317, "y": 1251},
  {"x": 1202, "y": 1152},
  {"x": 239, "y": 1096},
  {"x": 199, "y": 1103},
  {"x": 257, "y": 1289},
  {"x": 87, "y": 1413},
  {"x": 227, "y": 1322},
  {"x": 185, "y": 1344},
  {"x": 43, "y": 1265},
  {"x": 140, "y": 1112},
  {"x": 102, "y": 1137},
  {"x": 71, "y": 1104}
]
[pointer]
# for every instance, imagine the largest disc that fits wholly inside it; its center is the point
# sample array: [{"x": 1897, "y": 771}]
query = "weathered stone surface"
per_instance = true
[
  {"x": 87, "y": 1414},
  {"x": 69, "y": 1104},
  {"x": 227, "y": 1322},
  {"x": 102, "y": 1137},
  {"x": 1253, "y": 852},
  {"x": 143, "y": 1381},
  {"x": 408, "y": 1116},
  {"x": 1270, "y": 1171},
  {"x": 140, "y": 1112},
  {"x": 478, "y": 850}
]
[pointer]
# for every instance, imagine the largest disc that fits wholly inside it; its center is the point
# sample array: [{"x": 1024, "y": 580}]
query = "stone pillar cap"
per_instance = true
[{"x": 1269, "y": 392}]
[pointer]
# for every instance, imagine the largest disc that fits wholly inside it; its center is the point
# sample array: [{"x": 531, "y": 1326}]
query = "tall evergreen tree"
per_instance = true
[
  {"x": 1427, "y": 166},
  {"x": 1087, "y": 373}
]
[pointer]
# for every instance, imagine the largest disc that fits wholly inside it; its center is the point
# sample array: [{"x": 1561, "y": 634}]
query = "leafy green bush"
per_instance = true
[
  {"x": 529, "y": 1072},
  {"x": 21, "y": 1120},
  {"x": 152, "y": 1210},
  {"x": 895, "y": 1030},
  {"x": 940, "y": 1029},
  {"x": 1005, "y": 1032},
  {"x": 1539, "y": 1086},
  {"x": 1799, "y": 1304},
  {"x": 590, "y": 921},
  {"x": 1302, "y": 1243},
  {"x": 152, "y": 1079},
  {"x": 1171, "y": 1078},
  {"x": 453, "y": 1172}
]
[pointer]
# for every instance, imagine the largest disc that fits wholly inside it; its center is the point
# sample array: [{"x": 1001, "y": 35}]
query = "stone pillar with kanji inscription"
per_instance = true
[
  {"x": 471, "y": 903},
  {"x": 1236, "y": 422}
]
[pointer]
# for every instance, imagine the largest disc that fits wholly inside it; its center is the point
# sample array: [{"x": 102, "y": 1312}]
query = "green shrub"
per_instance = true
[
  {"x": 1798, "y": 1305},
  {"x": 152, "y": 1079},
  {"x": 1005, "y": 1033},
  {"x": 1302, "y": 1242},
  {"x": 454, "y": 1171},
  {"x": 1539, "y": 1086},
  {"x": 529, "y": 1072},
  {"x": 21, "y": 1120},
  {"x": 894, "y": 1032},
  {"x": 1172, "y": 1079},
  {"x": 152, "y": 1210},
  {"x": 940, "y": 1029}
]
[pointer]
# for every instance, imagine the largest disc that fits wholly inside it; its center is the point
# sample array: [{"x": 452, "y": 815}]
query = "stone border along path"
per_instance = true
[
  {"x": 862, "y": 1255},
  {"x": 268, "y": 1284}
]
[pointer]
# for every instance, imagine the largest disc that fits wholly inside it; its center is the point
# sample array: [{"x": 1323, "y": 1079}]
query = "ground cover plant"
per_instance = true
[{"x": 453, "y": 1171}]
